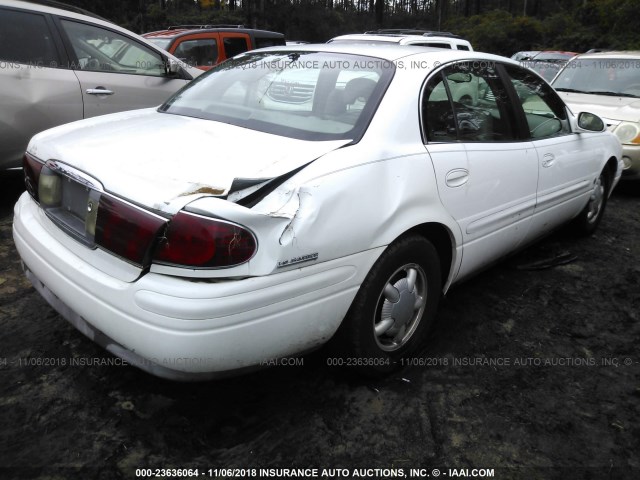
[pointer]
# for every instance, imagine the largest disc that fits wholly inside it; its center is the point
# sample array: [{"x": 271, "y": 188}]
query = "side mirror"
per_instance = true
[{"x": 589, "y": 122}]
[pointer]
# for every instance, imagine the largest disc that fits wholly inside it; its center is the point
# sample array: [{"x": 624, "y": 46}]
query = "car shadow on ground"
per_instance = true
[{"x": 11, "y": 187}]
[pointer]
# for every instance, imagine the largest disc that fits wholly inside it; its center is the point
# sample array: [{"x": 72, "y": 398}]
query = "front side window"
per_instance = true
[
  {"x": 467, "y": 102},
  {"x": 198, "y": 52},
  {"x": 101, "y": 50},
  {"x": 163, "y": 43},
  {"x": 25, "y": 38},
  {"x": 544, "y": 111},
  {"x": 305, "y": 95}
]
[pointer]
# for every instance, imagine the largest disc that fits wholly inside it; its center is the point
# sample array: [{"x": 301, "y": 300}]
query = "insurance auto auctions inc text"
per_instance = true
[{"x": 350, "y": 473}]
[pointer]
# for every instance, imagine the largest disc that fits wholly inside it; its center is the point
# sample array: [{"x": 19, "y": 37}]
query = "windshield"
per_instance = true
[
  {"x": 304, "y": 95},
  {"x": 160, "y": 42},
  {"x": 553, "y": 57},
  {"x": 603, "y": 76}
]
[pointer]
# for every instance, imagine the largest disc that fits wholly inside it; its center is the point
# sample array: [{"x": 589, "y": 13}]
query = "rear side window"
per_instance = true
[
  {"x": 263, "y": 42},
  {"x": 463, "y": 47},
  {"x": 25, "y": 38},
  {"x": 438, "y": 45},
  {"x": 234, "y": 46}
]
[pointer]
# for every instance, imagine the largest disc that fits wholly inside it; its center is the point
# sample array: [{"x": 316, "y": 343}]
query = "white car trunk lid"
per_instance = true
[{"x": 162, "y": 160}]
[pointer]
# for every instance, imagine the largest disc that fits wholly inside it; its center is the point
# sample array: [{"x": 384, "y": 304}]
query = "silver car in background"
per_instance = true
[
  {"x": 608, "y": 84},
  {"x": 58, "y": 66}
]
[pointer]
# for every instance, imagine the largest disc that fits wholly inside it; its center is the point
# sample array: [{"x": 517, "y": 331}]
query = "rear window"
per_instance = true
[
  {"x": 438, "y": 45},
  {"x": 304, "y": 95},
  {"x": 234, "y": 46},
  {"x": 263, "y": 42}
]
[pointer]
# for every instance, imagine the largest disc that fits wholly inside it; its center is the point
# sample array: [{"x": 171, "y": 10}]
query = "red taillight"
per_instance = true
[
  {"x": 32, "y": 168},
  {"x": 126, "y": 230},
  {"x": 203, "y": 242}
]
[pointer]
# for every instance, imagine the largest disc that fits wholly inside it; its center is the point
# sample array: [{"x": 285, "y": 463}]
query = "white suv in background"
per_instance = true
[{"x": 420, "y": 38}]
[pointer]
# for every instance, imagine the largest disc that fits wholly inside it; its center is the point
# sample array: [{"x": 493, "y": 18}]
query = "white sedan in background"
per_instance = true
[{"x": 317, "y": 193}]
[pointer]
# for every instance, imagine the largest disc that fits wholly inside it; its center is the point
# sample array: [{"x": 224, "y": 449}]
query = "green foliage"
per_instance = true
[
  {"x": 575, "y": 25},
  {"x": 499, "y": 32},
  {"x": 312, "y": 23}
]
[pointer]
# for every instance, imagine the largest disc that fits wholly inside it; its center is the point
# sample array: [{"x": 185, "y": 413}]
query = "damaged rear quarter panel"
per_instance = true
[{"x": 355, "y": 208}]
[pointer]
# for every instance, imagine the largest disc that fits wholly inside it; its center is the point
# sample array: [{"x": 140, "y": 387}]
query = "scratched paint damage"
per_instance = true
[{"x": 204, "y": 190}]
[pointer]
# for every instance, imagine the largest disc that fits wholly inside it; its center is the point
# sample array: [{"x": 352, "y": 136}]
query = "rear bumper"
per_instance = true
[{"x": 183, "y": 329}]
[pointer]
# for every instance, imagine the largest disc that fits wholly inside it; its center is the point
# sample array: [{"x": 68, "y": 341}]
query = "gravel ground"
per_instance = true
[{"x": 534, "y": 373}]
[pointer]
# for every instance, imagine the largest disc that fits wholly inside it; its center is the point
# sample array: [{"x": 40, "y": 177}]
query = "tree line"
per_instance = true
[{"x": 496, "y": 26}]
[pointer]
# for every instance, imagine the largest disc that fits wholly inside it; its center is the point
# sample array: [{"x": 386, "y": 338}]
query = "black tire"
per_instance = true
[
  {"x": 380, "y": 329},
  {"x": 589, "y": 218}
]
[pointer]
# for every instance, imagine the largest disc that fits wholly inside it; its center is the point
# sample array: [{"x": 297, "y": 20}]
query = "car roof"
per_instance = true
[
  {"x": 554, "y": 52},
  {"x": 390, "y": 51},
  {"x": 394, "y": 37},
  {"x": 621, "y": 54},
  {"x": 179, "y": 30}
]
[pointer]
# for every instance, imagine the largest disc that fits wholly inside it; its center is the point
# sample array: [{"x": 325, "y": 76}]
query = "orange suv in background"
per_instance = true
[{"x": 204, "y": 46}]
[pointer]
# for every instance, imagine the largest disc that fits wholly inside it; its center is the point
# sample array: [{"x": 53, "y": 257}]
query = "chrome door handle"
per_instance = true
[
  {"x": 99, "y": 91},
  {"x": 457, "y": 177}
]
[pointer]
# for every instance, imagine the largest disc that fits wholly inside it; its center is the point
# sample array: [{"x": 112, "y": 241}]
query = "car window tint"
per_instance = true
[
  {"x": 463, "y": 47},
  {"x": 101, "y": 50},
  {"x": 234, "y": 45},
  {"x": 26, "y": 38},
  {"x": 437, "y": 45},
  {"x": 467, "y": 102},
  {"x": 263, "y": 42},
  {"x": 198, "y": 52},
  {"x": 545, "y": 113}
]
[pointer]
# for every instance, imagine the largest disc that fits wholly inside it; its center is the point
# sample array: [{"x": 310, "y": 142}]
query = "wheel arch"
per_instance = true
[
  {"x": 443, "y": 241},
  {"x": 611, "y": 168}
]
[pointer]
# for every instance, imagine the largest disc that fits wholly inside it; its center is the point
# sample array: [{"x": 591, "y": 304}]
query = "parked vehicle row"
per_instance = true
[{"x": 193, "y": 262}]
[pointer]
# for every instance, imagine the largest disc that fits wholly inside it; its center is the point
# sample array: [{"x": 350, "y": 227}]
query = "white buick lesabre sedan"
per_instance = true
[{"x": 299, "y": 195}]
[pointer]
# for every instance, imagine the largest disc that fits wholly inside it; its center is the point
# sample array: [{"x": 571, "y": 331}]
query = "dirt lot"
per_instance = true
[{"x": 532, "y": 373}]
